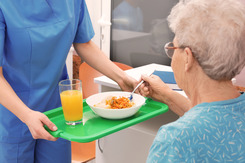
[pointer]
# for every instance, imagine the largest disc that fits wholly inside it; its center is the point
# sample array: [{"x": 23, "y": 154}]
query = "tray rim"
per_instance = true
[{"x": 84, "y": 139}]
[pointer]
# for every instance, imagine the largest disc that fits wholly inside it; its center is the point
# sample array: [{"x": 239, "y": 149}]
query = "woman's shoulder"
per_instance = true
[{"x": 204, "y": 120}]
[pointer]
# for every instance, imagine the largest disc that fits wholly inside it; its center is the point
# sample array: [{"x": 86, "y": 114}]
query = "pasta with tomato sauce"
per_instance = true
[
  {"x": 119, "y": 103},
  {"x": 115, "y": 103}
]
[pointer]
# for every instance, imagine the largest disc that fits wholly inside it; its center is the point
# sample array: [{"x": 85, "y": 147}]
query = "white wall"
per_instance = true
[
  {"x": 69, "y": 63},
  {"x": 94, "y": 8},
  {"x": 100, "y": 14}
]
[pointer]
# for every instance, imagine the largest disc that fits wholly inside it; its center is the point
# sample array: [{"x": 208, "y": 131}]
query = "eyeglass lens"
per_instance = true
[{"x": 168, "y": 50}]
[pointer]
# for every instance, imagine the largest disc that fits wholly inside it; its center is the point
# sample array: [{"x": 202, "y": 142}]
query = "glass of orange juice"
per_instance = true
[{"x": 71, "y": 100}]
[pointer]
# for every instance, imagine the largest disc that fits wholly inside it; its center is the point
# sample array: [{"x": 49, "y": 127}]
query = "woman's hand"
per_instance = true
[
  {"x": 35, "y": 121},
  {"x": 154, "y": 87}
]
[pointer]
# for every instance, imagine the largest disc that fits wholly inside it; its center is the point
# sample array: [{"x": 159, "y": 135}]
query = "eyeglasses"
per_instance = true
[{"x": 169, "y": 49}]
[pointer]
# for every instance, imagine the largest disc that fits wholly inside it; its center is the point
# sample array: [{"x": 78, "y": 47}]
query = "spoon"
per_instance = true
[{"x": 142, "y": 81}]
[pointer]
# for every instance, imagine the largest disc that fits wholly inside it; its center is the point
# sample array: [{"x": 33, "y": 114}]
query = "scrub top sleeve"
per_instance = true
[
  {"x": 2, "y": 36},
  {"x": 85, "y": 31}
]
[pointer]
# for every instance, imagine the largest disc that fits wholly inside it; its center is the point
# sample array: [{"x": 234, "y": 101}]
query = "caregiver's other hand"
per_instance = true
[
  {"x": 154, "y": 87},
  {"x": 128, "y": 83},
  {"x": 35, "y": 121}
]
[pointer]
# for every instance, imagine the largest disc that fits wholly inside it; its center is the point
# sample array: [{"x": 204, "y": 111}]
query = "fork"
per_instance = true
[{"x": 142, "y": 81}]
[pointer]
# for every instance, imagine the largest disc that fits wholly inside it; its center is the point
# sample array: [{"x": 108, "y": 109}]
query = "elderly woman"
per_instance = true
[{"x": 207, "y": 52}]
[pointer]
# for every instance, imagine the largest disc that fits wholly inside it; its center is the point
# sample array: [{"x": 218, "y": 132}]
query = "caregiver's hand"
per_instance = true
[
  {"x": 128, "y": 83},
  {"x": 35, "y": 121}
]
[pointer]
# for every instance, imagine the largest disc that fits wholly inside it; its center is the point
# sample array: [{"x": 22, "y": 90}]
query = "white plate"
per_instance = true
[{"x": 115, "y": 113}]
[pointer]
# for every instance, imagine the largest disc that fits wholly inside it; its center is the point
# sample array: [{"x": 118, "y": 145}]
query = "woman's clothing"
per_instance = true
[
  {"x": 35, "y": 37},
  {"x": 209, "y": 132}
]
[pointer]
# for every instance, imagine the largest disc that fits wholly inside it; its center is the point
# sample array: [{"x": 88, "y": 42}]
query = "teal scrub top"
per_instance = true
[{"x": 35, "y": 38}]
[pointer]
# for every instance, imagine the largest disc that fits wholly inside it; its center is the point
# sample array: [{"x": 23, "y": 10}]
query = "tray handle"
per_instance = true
[{"x": 54, "y": 133}]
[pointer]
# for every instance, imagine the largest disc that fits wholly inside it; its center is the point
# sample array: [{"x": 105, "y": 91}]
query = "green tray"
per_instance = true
[{"x": 95, "y": 127}]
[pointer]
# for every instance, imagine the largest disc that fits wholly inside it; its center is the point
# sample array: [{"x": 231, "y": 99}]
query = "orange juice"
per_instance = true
[{"x": 72, "y": 103}]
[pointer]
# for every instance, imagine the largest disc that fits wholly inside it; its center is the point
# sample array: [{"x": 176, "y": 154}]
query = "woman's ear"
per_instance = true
[{"x": 189, "y": 59}]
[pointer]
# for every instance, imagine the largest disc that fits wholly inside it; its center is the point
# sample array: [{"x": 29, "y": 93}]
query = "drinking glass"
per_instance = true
[{"x": 71, "y": 100}]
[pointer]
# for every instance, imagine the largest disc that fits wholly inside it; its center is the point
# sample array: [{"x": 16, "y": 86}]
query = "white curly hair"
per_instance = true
[{"x": 215, "y": 32}]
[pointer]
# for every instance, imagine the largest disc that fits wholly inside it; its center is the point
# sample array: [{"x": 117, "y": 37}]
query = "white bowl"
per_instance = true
[{"x": 115, "y": 113}]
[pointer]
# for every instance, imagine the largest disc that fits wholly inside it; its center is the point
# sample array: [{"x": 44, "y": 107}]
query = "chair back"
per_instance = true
[{"x": 84, "y": 152}]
